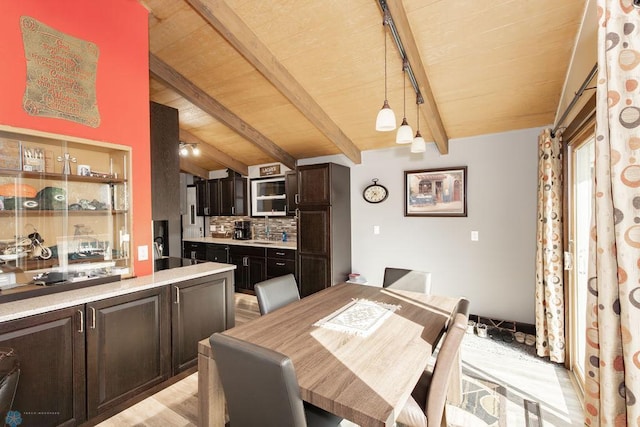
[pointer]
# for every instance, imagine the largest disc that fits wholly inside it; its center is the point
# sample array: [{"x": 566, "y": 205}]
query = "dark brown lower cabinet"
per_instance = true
[
  {"x": 51, "y": 349},
  {"x": 128, "y": 347},
  {"x": 250, "y": 264},
  {"x": 313, "y": 273},
  {"x": 199, "y": 308}
]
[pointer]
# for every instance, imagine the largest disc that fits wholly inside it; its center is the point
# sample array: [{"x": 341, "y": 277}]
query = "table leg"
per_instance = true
[{"x": 210, "y": 394}]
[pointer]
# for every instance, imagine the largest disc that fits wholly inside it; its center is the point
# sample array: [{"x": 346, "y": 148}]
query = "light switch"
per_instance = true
[
  {"x": 143, "y": 253},
  {"x": 376, "y": 229},
  {"x": 474, "y": 236}
]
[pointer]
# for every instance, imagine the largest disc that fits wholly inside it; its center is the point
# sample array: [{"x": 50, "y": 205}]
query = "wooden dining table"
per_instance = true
[{"x": 365, "y": 379}]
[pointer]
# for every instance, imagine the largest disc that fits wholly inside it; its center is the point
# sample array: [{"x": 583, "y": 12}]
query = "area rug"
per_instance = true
[{"x": 485, "y": 400}]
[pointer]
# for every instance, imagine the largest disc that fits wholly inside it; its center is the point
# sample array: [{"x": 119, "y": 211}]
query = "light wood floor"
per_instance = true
[{"x": 526, "y": 377}]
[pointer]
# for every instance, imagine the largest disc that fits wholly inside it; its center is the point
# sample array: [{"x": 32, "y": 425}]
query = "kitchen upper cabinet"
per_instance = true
[
  {"x": 199, "y": 308},
  {"x": 224, "y": 196},
  {"x": 291, "y": 190},
  {"x": 207, "y": 197},
  {"x": 51, "y": 350},
  {"x": 128, "y": 347},
  {"x": 324, "y": 226},
  {"x": 315, "y": 184}
]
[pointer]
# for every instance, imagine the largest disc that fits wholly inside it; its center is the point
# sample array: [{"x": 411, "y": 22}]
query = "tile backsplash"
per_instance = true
[{"x": 262, "y": 228}]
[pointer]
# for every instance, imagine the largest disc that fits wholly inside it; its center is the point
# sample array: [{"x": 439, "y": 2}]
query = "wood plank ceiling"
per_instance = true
[{"x": 258, "y": 82}]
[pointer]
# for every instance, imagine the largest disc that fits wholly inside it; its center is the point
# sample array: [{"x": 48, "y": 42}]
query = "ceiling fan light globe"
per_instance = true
[
  {"x": 184, "y": 152},
  {"x": 196, "y": 150},
  {"x": 386, "y": 120}
]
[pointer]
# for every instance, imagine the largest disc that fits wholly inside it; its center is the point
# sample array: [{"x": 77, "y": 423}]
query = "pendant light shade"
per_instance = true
[
  {"x": 386, "y": 120},
  {"x": 418, "y": 145},
  {"x": 405, "y": 133}
]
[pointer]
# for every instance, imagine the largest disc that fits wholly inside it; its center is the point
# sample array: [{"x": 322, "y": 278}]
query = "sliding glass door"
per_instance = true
[{"x": 580, "y": 207}]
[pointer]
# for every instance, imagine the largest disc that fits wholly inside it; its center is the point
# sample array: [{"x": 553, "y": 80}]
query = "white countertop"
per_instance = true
[
  {"x": 37, "y": 305},
  {"x": 260, "y": 243}
]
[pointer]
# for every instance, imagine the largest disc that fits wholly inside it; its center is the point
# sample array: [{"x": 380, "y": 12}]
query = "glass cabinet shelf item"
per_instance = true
[{"x": 70, "y": 206}]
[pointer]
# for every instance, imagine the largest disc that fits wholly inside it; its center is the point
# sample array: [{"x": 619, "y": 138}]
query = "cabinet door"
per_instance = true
[
  {"x": 213, "y": 196},
  {"x": 51, "y": 349},
  {"x": 314, "y": 185},
  {"x": 291, "y": 190},
  {"x": 239, "y": 275},
  {"x": 256, "y": 270},
  {"x": 198, "y": 310},
  {"x": 217, "y": 253},
  {"x": 195, "y": 250},
  {"x": 313, "y": 273},
  {"x": 227, "y": 195},
  {"x": 202, "y": 199},
  {"x": 314, "y": 231},
  {"x": 128, "y": 347}
]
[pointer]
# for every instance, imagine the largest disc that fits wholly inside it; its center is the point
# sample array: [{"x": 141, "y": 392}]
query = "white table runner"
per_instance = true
[{"x": 359, "y": 317}]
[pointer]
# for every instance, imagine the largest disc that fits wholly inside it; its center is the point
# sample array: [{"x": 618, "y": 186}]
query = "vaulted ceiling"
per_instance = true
[{"x": 258, "y": 82}]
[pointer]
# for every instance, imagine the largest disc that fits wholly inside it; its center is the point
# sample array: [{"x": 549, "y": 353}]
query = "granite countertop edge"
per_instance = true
[
  {"x": 259, "y": 243},
  {"x": 46, "y": 303}
]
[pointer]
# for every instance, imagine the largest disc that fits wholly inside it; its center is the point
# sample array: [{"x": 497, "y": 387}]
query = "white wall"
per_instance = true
[{"x": 496, "y": 273}]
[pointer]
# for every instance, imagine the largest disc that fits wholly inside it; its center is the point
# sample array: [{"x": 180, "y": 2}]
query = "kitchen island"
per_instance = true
[{"x": 102, "y": 348}]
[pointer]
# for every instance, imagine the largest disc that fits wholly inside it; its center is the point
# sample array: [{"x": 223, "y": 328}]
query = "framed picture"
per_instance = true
[{"x": 436, "y": 192}]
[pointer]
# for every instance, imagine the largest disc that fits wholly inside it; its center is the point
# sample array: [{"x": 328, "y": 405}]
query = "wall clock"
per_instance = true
[{"x": 375, "y": 193}]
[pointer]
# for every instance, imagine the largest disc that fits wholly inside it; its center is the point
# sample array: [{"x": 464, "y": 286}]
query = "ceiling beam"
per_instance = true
[
  {"x": 221, "y": 17},
  {"x": 213, "y": 153},
  {"x": 432, "y": 116},
  {"x": 192, "y": 93},
  {"x": 188, "y": 167}
]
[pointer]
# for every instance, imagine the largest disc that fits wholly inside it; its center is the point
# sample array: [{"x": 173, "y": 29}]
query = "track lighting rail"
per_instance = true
[{"x": 388, "y": 21}]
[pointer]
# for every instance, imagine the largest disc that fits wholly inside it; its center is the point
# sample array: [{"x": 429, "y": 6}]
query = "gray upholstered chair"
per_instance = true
[
  {"x": 261, "y": 387},
  {"x": 425, "y": 407},
  {"x": 9, "y": 374},
  {"x": 408, "y": 280},
  {"x": 276, "y": 293}
]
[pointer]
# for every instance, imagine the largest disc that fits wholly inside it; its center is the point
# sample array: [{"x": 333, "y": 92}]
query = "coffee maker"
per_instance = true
[{"x": 242, "y": 230}]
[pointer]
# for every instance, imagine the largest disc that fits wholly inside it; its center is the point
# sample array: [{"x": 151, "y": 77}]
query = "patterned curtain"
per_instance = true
[
  {"x": 550, "y": 339},
  {"x": 612, "y": 365}
]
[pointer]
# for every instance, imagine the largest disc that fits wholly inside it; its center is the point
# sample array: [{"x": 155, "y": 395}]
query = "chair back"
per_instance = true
[
  {"x": 275, "y": 293},
  {"x": 445, "y": 362},
  {"x": 260, "y": 385},
  {"x": 407, "y": 280},
  {"x": 9, "y": 374}
]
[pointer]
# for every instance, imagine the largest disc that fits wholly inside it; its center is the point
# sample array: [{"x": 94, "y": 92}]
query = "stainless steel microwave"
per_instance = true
[{"x": 268, "y": 197}]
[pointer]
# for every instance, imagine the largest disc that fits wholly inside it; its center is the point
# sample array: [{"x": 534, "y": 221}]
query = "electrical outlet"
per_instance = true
[
  {"x": 474, "y": 236},
  {"x": 143, "y": 253},
  {"x": 376, "y": 229}
]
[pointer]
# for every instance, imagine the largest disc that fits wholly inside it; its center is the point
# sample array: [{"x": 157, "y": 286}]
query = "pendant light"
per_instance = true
[
  {"x": 418, "y": 145},
  {"x": 386, "y": 120},
  {"x": 405, "y": 133}
]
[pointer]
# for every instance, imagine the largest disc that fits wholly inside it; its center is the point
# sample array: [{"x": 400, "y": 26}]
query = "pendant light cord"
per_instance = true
[
  {"x": 385, "y": 65},
  {"x": 404, "y": 92}
]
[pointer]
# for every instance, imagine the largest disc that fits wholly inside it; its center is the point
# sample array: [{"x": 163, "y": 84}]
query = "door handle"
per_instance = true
[
  {"x": 93, "y": 317},
  {"x": 281, "y": 264},
  {"x": 81, "y": 321},
  {"x": 245, "y": 261},
  {"x": 177, "y": 295},
  {"x": 233, "y": 210},
  {"x": 296, "y": 198},
  {"x": 206, "y": 211}
]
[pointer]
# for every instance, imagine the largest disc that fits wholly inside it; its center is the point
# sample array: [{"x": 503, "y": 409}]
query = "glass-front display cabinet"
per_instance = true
[{"x": 64, "y": 208}]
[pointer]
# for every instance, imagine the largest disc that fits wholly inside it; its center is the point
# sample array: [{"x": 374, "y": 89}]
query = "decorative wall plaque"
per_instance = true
[{"x": 61, "y": 74}]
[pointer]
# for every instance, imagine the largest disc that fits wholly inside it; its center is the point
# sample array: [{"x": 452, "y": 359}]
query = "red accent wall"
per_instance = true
[{"x": 120, "y": 29}]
